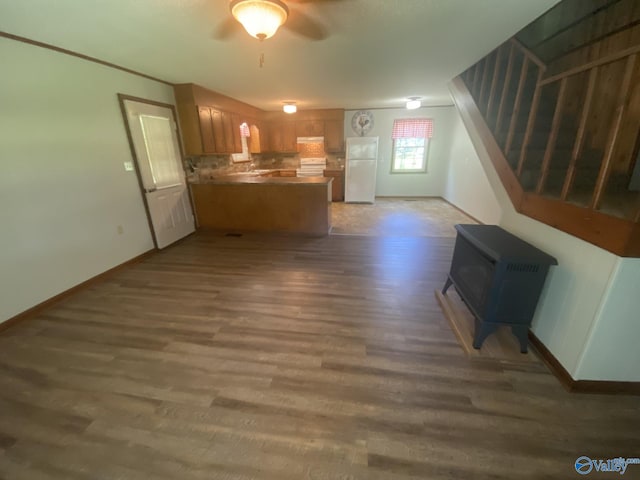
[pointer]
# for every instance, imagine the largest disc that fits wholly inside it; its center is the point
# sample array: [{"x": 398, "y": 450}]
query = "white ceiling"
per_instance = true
[{"x": 377, "y": 52}]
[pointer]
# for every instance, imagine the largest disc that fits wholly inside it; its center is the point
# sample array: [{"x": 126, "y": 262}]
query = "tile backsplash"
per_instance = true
[
  {"x": 208, "y": 165},
  {"x": 311, "y": 150},
  {"x": 216, "y": 165}
]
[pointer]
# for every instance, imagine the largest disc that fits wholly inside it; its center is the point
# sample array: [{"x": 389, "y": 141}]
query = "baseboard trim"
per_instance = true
[
  {"x": 406, "y": 197},
  {"x": 31, "y": 312},
  {"x": 462, "y": 211},
  {"x": 581, "y": 386}
]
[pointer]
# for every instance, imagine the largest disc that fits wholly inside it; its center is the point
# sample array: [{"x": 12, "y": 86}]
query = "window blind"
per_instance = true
[{"x": 412, "y": 128}]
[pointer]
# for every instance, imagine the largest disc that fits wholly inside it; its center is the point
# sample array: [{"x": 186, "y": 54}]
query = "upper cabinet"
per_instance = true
[
  {"x": 332, "y": 129},
  {"x": 219, "y": 132},
  {"x": 208, "y": 142},
  {"x": 309, "y": 128},
  {"x": 284, "y": 129},
  {"x": 258, "y": 140},
  {"x": 210, "y": 122},
  {"x": 334, "y": 135},
  {"x": 210, "y": 125},
  {"x": 282, "y": 137}
]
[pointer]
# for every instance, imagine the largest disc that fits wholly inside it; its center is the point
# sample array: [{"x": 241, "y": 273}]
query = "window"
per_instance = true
[
  {"x": 410, "y": 155},
  {"x": 411, "y": 138}
]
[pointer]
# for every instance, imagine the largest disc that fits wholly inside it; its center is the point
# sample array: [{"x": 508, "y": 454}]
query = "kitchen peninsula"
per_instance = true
[{"x": 251, "y": 202}]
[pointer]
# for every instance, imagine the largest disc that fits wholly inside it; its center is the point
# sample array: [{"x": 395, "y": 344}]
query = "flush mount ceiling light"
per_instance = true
[
  {"x": 260, "y": 18},
  {"x": 289, "y": 107},
  {"x": 413, "y": 103}
]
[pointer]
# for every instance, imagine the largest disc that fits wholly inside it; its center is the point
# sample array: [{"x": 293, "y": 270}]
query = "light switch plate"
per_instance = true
[{"x": 128, "y": 166}]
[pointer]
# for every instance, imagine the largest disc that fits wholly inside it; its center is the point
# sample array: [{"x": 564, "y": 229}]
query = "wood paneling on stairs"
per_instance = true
[{"x": 568, "y": 129}]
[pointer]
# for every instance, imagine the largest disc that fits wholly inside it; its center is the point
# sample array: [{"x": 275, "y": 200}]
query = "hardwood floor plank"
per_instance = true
[{"x": 283, "y": 358}]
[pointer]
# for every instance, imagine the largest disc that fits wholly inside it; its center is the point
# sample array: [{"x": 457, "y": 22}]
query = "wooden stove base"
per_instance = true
[{"x": 500, "y": 345}]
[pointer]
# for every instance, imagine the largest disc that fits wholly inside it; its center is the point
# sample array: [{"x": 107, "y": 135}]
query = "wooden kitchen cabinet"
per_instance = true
[
  {"x": 227, "y": 124},
  {"x": 282, "y": 137},
  {"x": 309, "y": 128},
  {"x": 206, "y": 130},
  {"x": 289, "y": 137},
  {"x": 210, "y": 122},
  {"x": 280, "y": 173},
  {"x": 264, "y": 136},
  {"x": 258, "y": 140},
  {"x": 219, "y": 131},
  {"x": 337, "y": 187},
  {"x": 237, "y": 136},
  {"x": 285, "y": 205},
  {"x": 285, "y": 129},
  {"x": 275, "y": 137},
  {"x": 255, "y": 135},
  {"x": 334, "y": 136}
]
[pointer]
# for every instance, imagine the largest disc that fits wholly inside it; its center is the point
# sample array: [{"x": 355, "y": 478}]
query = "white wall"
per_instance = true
[
  {"x": 569, "y": 315},
  {"x": 63, "y": 187},
  {"x": 612, "y": 352},
  {"x": 574, "y": 289},
  {"x": 409, "y": 184},
  {"x": 467, "y": 185}
]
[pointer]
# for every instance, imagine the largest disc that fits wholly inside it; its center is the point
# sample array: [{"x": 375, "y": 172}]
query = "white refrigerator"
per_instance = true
[{"x": 361, "y": 164}]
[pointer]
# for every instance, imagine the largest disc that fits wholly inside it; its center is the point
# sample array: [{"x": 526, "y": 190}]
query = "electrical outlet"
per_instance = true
[
  {"x": 128, "y": 166},
  {"x": 120, "y": 229}
]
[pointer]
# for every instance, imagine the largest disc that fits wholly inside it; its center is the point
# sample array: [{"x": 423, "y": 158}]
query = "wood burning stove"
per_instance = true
[{"x": 499, "y": 277}]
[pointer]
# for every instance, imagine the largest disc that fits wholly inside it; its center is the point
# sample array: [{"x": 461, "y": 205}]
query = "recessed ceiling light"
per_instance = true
[
  {"x": 289, "y": 107},
  {"x": 413, "y": 103}
]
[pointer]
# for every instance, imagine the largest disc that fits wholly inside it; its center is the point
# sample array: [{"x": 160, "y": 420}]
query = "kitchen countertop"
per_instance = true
[{"x": 262, "y": 180}]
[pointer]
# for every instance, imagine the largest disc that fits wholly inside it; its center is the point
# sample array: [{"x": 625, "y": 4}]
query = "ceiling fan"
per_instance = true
[{"x": 262, "y": 18}]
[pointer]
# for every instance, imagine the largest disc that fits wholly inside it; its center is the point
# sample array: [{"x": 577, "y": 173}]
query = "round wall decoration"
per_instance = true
[{"x": 362, "y": 122}]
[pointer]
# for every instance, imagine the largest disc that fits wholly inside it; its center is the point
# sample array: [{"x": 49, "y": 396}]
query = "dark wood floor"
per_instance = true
[{"x": 284, "y": 358}]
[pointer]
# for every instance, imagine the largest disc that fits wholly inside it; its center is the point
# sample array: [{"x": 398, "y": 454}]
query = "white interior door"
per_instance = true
[{"x": 153, "y": 131}]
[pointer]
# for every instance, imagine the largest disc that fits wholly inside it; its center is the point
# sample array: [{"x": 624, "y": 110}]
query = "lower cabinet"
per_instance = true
[
  {"x": 337, "y": 188},
  {"x": 281, "y": 173}
]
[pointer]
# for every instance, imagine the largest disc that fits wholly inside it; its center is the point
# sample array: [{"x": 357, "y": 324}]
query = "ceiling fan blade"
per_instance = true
[
  {"x": 305, "y": 26},
  {"x": 226, "y": 29}
]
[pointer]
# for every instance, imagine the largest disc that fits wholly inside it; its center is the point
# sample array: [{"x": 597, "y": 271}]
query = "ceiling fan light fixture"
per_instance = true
[
  {"x": 260, "y": 18},
  {"x": 413, "y": 103},
  {"x": 289, "y": 107}
]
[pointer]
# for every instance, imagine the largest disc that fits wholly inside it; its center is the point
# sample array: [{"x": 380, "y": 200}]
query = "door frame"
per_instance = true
[{"x": 123, "y": 109}]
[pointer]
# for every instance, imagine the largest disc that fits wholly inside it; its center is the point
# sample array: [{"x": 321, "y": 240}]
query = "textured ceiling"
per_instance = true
[{"x": 376, "y": 52}]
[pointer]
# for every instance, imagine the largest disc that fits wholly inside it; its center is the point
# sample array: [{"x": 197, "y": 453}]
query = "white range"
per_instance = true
[{"x": 312, "y": 167}]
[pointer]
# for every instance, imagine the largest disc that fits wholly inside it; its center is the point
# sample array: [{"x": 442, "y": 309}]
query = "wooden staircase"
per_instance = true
[{"x": 558, "y": 108}]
